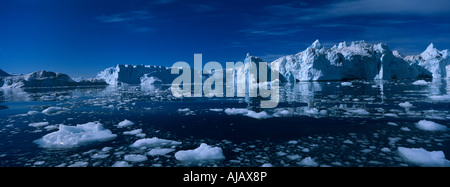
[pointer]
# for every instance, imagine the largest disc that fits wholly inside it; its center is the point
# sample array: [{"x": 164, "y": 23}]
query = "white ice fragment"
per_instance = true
[
  {"x": 200, "y": 154},
  {"x": 73, "y": 136},
  {"x": 216, "y": 109},
  {"x": 267, "y": 165},
  {"x": 405, "y": 105},
  {"x": 430, "y": 126},
  {"x": 385, "y": 149},
  {"x": 309, "y": 162},
  {"x": 246, "y": 112},
  {"x": 294, "y": 157},
  {"x": 133, "y": 132},
  {"x": 38, "y": 124},
  {"x": 421, "y": 82},
  {"x": 121, "y": 164},
  {"x": 159, "y": 151},
  {"x": 346, "y": 84},
  {"x": 125, "y": 123},
  {"x": 153, "y": 142},
  {"x": 54, "y": 110},
  {"x": 424, "y": 158},
  {"x": 79, "y": 164},
  {"x": 135, "y": 158}
]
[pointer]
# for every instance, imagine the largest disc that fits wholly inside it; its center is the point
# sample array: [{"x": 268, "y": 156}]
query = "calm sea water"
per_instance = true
[{"x": 360, "y": 124}]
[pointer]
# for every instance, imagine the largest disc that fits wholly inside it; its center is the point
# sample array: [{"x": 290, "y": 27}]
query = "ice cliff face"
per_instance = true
[
  {"x": 358, "y": 60},
  {"x": 44, "y": 79},
  {"x": 129, "y": 74},
  {"x": 433, "y": 60}
]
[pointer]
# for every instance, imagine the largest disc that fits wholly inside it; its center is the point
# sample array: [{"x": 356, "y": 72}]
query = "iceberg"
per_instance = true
[
  {"x": 137, "y": 74},
  {"x": 45, "y": 79},
  {"x": 435, "y": 61},
  {"x": 74, "y": 136},
  {"x": 342, "y": 62}
]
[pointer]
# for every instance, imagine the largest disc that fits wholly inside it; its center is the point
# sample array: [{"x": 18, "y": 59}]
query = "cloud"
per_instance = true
[
  {"x": 124, "y": 17},
  {"x": 361, "y": 8}
]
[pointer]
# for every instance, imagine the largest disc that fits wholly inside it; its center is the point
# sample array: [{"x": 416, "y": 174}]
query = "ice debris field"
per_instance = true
[{"x": 316, "y": 124}]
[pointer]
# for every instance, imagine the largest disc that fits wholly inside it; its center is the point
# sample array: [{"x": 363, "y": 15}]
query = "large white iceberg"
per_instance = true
[
  {"x": 435, "y": 61},
  {"x": 358, "y": 60},
  {"x": 424, "y": 158},
  {"x": 74, "y": 136}
]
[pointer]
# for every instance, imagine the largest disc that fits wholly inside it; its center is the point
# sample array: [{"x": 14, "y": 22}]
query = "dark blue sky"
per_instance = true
[{"x": 83, "y": 37}]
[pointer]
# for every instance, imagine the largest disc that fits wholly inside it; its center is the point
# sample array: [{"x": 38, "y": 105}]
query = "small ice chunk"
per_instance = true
[
  {"x": 133, "y": 132},
  {"x": 121, "y": 164},
  {"x": 38, "y": 124},
  {"x": 159, "y": 151},
  {"x": 294, "y": 157},
  {"x": 420, "y": 82},
  {"x": 216, "y": 109},
  {"x": 358, "y": 111},
  {"x": 79, "y": 164},
  {"x": 392, "y": 123},
  {"x": 405, "y": 129},
  {"x": 258, "y": 115},
  {"x": 440, "y": 97},
  {"x": 385, "y": 149},
  {"x": 346, "y": 84},
  {"x": 293, "y": 142},
  {"x": 424, "y": 158},
  {"x": 267, "y": 165},
  {"x": 430, "y": 126},
  {"x": 405, "y": 105},
  {"x": 153, "y": 142},
  {"x": 54, "y": 110},
  {"x": 348, "y": 142},
  {"x": 309, "y": 162},
  {"x": 135, "y": 158},
  {"x": 200, "y": 154},
  {"x": 73, "y": 136},
  {"x": 125, "y": 123}
]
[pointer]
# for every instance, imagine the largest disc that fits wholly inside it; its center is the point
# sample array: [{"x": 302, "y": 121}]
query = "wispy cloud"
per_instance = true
[{"x": 124, "y": 17}]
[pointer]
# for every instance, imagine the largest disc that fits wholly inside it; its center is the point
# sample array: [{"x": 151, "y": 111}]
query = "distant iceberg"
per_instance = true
[{"x": 45, "y": 79}]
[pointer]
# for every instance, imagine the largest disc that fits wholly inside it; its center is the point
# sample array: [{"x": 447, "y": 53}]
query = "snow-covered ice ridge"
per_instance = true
[
  {"x": 136, "y": 74},
  {"x": 361, "y": 60},
  {"x": 44, "y": 79},
  {"x": 355, "y": 61}
]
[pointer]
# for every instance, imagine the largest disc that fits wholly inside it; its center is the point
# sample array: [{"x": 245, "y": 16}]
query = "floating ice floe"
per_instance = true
[
  {"x": 430, "y": 126},
  {"x": 153, "y": 142},
  {"x": 440, "y": 97},
  {"x": 421, "y": 82},
  {"x": 121, "y": 164},
  {"x": 247, "y": 112},
  {"x": 405, "y": 105},
  {"x": 38, "y": 124},
  {"x": 54, "y": 110},
  {"x": 160, "y": 151},
  {"x": 346, "y": 84},
  {"x": 424, "y": 158},
  {"x": 74, "y": 136},
  {"x": 125, "y": 123},
  {"x": 204, "y": 153},
  {"x": 135, "y": 158},
  {"x": 308, "y": 162}
]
